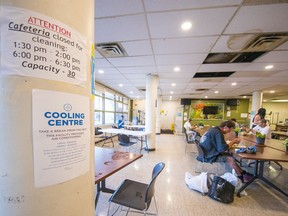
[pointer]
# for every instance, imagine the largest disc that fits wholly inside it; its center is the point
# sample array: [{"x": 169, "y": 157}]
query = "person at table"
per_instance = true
[
  {"x": 235, "y": 122},
  {"x": 189, "y": 130},
  {"x": 262, "y": 128},
  {"x": 121, "y": 122},
  {"x": 260, "y": 115},
  {"x": 217, "y": 150},
  {"x": 188, "y": 125}
]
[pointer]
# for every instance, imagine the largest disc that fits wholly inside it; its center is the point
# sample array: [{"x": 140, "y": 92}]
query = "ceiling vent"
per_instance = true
[
  {"x": 221, "y": 58},
  {"x": 201, "y": 89},
  {"x": 249, "y": 48},
  {"x": 193, "y": 94},
  {"x": 111, "y": 50},
  {"x": 266, "y": 42},
  {"x": 213, "y": 74}
]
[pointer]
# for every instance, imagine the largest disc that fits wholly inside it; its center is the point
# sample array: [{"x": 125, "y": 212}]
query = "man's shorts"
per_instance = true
[{"x": 221, "y": 158}]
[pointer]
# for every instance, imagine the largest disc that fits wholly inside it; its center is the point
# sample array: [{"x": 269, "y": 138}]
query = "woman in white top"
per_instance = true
[
  {"x": 263, "y": 128},
  {"x": 260, "y": 115}
]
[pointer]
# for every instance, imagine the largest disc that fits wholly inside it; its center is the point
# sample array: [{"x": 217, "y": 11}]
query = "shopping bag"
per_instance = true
[
  {"x": 198, "y": 183},
  {"x": 221, "y": 190}
]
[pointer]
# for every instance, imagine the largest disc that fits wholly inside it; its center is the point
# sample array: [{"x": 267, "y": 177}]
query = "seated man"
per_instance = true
[
  {"x": 121, "y": 122},
  {"x": 217, "y": 150},
  {"x": 189, "y": 130}
]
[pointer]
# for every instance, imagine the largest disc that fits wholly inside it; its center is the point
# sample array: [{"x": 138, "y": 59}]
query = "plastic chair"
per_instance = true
[
  {"x": 124, "y": 140},
  {"x": 193, "y": 134},
  {"x": 137, "y": 195},
  {"x": 187, "y": 138}
]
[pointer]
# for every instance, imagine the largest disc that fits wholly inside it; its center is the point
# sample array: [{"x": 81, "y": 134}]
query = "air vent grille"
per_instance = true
[
  {"x": 220, "y": 58},
  {"x": 213, "y": 74},
  {"x": 266, "y": 42},
  {"x": 110, "y": 50},
  {"x": 201, "y": 89},
  {"x": 251, "y": 46}
]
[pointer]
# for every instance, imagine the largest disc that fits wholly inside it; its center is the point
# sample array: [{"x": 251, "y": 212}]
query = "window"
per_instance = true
[
  {"x": 119, "y": 107},
  {"x": 109, "y": 118},
  {"x": 98, "y": 118},
  {"x": 98, "y": 103},
  {"x": 125, "y": 108},
  {"x": 109, "y": 107}
]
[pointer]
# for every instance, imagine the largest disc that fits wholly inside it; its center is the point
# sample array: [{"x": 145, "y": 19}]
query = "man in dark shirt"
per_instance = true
[{"x": 216, "y": 149}]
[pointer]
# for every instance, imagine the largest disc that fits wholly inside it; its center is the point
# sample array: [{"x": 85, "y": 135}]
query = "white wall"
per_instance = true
[
  {"x": 168, "y": 111},
  {"x": 280, "y": 108}
]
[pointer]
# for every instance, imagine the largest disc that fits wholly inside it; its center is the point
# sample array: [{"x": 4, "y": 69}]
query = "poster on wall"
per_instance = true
[
  {"x": 39, "y": 46},
  {"x": 209, "y": 111},
  {"x": 61, "y": 136}
]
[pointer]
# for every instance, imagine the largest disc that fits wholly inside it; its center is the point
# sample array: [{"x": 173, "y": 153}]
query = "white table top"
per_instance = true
[
  {"x": 134, "y": 126},
  {"x": 124, "y": 131}
]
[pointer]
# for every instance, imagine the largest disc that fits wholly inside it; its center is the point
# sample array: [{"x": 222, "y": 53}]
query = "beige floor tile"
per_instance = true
[{"x": 174, "y": 198}]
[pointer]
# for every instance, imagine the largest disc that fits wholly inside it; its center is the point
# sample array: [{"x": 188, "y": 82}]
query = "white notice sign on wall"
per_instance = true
[
  {"x": 35, "y": 45},
  {"x": 61, "y": 136}
]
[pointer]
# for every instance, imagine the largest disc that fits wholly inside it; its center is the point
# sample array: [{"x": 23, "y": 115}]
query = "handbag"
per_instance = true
[{"x": 221, "y": 190}]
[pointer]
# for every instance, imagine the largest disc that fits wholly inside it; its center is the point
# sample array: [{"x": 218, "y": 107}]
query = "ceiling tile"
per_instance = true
[
  {"x": 132, "y": 61},
  {"x": 270, "y": 18},
  {"x": 183, "y": 45},
  {"x": 105, "y": 8},
  {"x": 180, "y": 59},
  {"x": 135, "y": 48},
  {"x": 166, "y": 5},
  {"x": 113, "y": 30},
  {"x": 204, "y": 22}
]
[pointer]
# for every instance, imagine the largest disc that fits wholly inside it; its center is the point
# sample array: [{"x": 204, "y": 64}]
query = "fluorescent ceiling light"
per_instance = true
[
  {"x": 100, "y": 71},
  {"x": 269, "y": 67},
  {"x": 186, "y": 25},
  {"x": 234, "y": 84},
  {"x": 171, "y": 92},
  {"x": 285, "y": 100},
  {"x": 216, "y": 92},
  {"x": 206, "y": 96},
  {"x": 173, "y": 84},
  {"x": 120, "y": 85},
  {"x": 176, "y": 69},
  {"x": 272, "y": 91}
]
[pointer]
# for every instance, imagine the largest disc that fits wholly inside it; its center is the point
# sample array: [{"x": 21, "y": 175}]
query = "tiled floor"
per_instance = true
[{"x": 174, "y": 198}]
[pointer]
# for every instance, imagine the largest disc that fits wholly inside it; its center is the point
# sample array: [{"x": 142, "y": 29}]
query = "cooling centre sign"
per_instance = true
[{"x": 61, "y": 136}]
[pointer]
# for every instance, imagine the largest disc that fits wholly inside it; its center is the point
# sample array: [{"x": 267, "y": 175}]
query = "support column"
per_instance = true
[
  {"x": 151, "y": 109},
  {"x": 257, "y": 98},
  {"x": 42, "y": 41},
  {"x": 158, "y": 115}
]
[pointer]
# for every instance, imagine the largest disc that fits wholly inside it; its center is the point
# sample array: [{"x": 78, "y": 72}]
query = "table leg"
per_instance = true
[
  {"x": 261, "y": 176},
  {"x": 101, "y": 187},
  {"x": 252, "y": 180}
]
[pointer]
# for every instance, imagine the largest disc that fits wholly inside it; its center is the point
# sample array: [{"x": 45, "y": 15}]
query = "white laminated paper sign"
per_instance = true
[
  {"x": 61, "y": 136},
  {"x": 35, "y": 45}
]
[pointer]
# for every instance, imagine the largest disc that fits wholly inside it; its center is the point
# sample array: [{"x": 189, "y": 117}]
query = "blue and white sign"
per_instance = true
[{"x": 61, "y": 136}]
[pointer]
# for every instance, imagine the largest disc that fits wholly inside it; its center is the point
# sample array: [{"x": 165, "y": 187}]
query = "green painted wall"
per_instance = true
[{"x": 235, "y": 112}]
